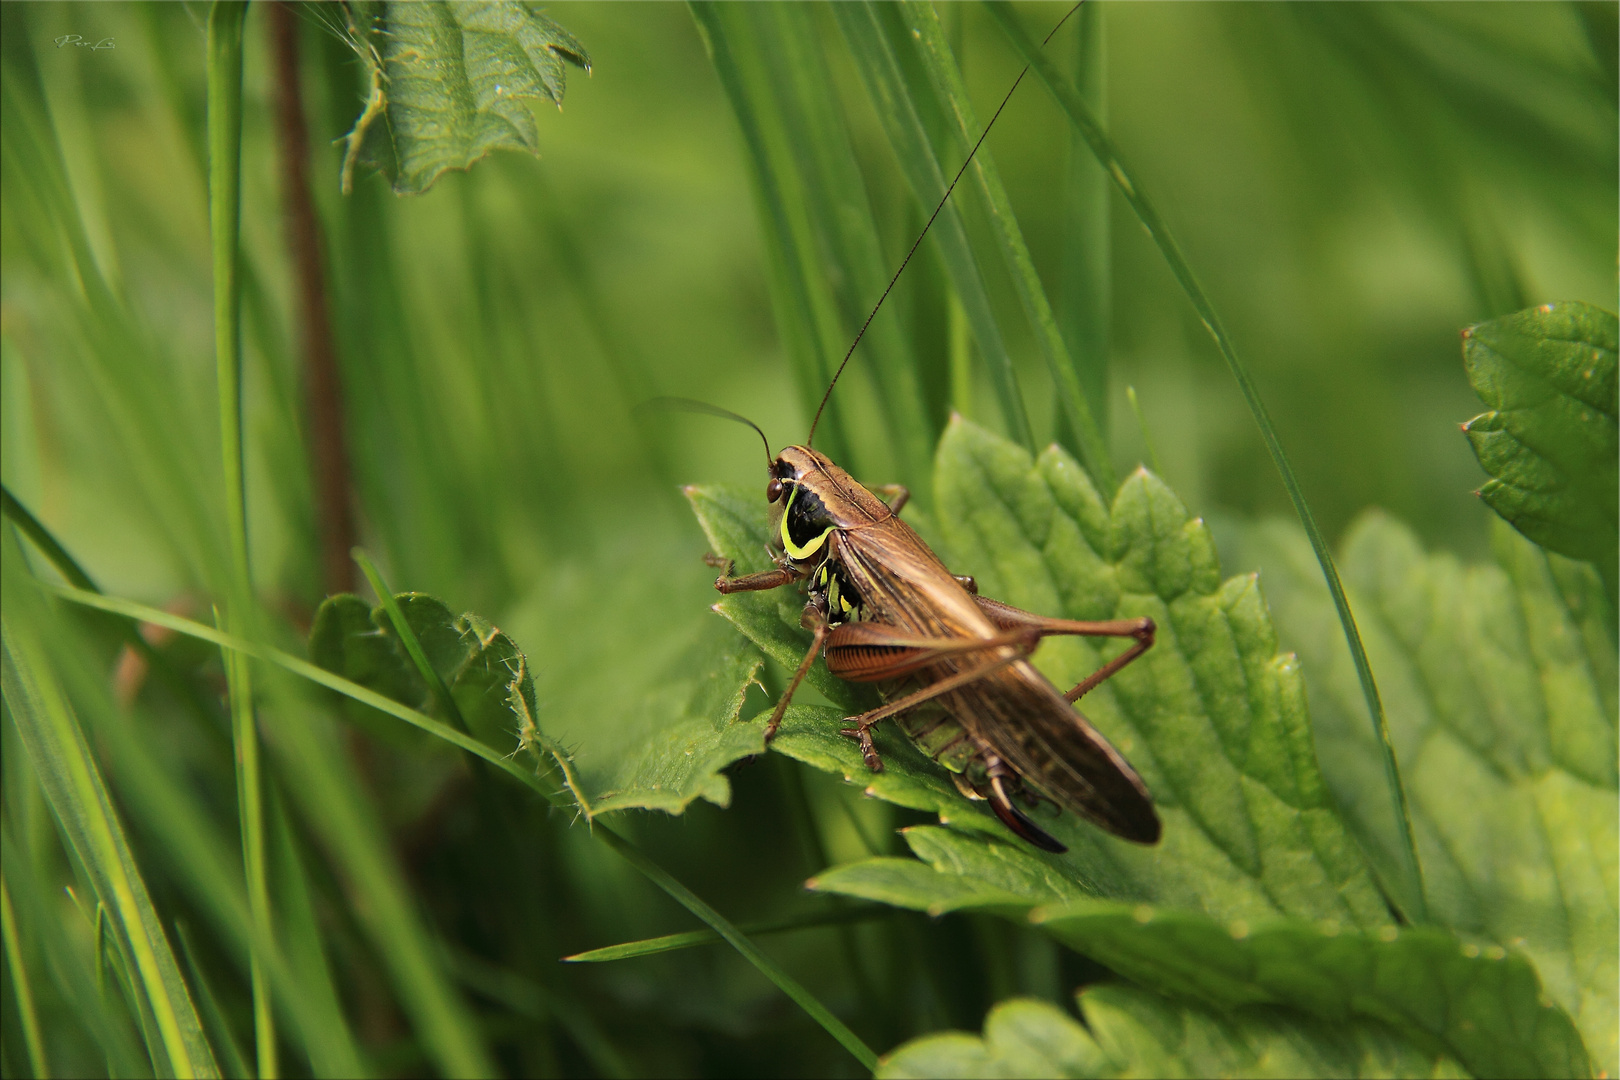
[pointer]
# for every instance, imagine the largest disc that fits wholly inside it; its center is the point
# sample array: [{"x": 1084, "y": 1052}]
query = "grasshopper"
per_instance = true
[{"x": 952, "y": 666}]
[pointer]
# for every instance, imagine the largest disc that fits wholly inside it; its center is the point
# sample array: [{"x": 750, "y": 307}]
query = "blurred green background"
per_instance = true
[{"x": 1352, "y": 183}]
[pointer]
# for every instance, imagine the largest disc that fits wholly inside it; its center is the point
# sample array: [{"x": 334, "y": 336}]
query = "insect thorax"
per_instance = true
[{"x": 830, "y": 587}]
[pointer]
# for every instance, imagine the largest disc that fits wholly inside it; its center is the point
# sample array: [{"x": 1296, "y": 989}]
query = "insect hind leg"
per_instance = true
[{"x": 1003, "y": 782}]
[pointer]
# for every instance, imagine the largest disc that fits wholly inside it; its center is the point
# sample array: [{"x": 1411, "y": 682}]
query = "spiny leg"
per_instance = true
[
  {"x": 862, "y": 731},
  {"x": 814, "y": 620},
  {"x": 1143, "y": 630}
]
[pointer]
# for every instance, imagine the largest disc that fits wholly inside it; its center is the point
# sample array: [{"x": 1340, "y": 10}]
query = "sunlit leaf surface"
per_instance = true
[
  {"x": 1499, "y": 679},
  {"x": 1132, "y": 1032}
]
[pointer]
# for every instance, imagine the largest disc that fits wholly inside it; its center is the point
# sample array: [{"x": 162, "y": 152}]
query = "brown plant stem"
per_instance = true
[{"x": 323, "y": 387}]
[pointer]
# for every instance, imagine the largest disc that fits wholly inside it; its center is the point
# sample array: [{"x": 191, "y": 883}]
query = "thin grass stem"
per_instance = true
[
  {"x": 407, "y": 636},
  {"x": 225, "y": 222},
  {"x": 1108, "y": 154},
  {"x": 691, "y": 938},
  {"x": 22, "y": 991},
  {"x": 1079, "y": 413}
]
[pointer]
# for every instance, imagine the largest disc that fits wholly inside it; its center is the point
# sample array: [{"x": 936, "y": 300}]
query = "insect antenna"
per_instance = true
[
  {"x": 918, "y": 242},
  {"x": 680, "y": 404}
]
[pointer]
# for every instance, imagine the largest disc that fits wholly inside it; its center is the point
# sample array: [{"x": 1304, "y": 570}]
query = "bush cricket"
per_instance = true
[{"x": 952, "y": 666}]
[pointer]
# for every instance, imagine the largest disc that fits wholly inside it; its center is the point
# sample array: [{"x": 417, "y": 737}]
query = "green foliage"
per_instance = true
[
  {"x": 486, "y": 674},
  {"x": 1130, "y": 1032},
  {"x": 153, "y": 989},
  {"x": 719, "y": 226},
  {"x": 1552, "y": 438},
  {"x": 451, "y": 82},
  {"x": 1500, "y": 684}
]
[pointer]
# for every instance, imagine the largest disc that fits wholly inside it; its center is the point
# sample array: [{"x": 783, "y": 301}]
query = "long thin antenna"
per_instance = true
[
  {"x": 681, "y": 404},
  {"x": 918, "y": 242}
]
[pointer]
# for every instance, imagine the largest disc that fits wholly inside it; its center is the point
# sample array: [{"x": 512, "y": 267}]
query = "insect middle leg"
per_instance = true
[
  {"x": 902, "y": 653},
  {"x": 1143, "y": 630}
]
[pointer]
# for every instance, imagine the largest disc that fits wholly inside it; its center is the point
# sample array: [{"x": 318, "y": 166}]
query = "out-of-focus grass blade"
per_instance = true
[
  {"x": 1085, "y": 301},
  {"x": 21, "y": 988},
  {"x": 805, "y": 309},
  {"x": 303, "y": 668},
  {"x": 535, "y": 1000},
  {"x": 407, "y": 636},
  {"x": 219, "y": 1029},
  {"x": 330, "y": 1044},
  {"x": 73, "y": 787},
  {"x": 1103, "y": 147},
  {"x": 672, "y": 942},
  {"x": 832, "y": 180},
  {"x": 1081, "y": 415},
  {"x": 893, "y": 102},
  {"x": 225, "y": 227},
  {"x": 73, "y": 970},
  {"x": 331, "y": 799}
]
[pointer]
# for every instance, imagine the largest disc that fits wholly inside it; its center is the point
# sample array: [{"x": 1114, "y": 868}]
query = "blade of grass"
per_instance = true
[
  {"x": 832, "y": 181},
  {"x": 1086, "y": 293},
  {"x": 219, "y": 1029},
  {"x": 909, "y": 139},
  {"x": 1108, "y": 154},
  {"x": 18, "y": 514},
  {"x": 805, "y": 311},
  {"x": 407, "y": 636},
  {"x": 71, "y": 969},
  {"x": 673, "y": 942},
  {"x": 83, "y": 808},
  {"x": 532, "y": 999},
  {"x": 1092, "y": 448},
  {"x": 304, "y": 669},
  {"x": 22, "y": 991},
  {"x": 225, "y": 225}
]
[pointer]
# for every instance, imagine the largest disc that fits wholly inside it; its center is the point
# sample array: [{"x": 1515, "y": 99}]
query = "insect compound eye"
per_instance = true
[{"x": 773, "y": 490}]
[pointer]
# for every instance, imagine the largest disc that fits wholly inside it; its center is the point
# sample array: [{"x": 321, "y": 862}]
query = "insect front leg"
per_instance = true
[
  {"x": 1143, "y": 630},
  {"x": 765, "y": 579}
]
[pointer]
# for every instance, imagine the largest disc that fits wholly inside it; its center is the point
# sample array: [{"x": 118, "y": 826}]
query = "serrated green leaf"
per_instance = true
[
  {"x": 451, "y": 82},
  {"x": 1550, "y": 442},
  {"x": 483, "y": 668},
  {"x": 1484, "y": 1006},
  {"x": 1442, "y": 991},
  {"x": 1133, "y": 1032},
  {"x": 638, "y": 684},
  {"x": 1500, "y": 682}
]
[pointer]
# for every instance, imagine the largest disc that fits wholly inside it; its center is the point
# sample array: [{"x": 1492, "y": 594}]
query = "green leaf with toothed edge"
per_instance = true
[
  {"x": 1499, "y": 680},
  {"x": 1133, "y": 1032},
  {"x": 451, "y": 82},
  {"x": 658, "y": 740},
  {"x": 483, "y": 668},
  {"x": 1551, "y": 439}
]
